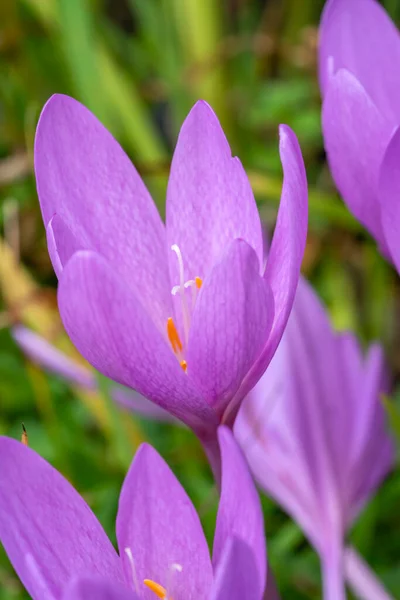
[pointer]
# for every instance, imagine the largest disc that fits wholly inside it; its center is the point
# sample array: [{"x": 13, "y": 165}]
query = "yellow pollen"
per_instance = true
[
  {"x": 198, "y": 281},
  {"x": 173, "y": 336},
  {"x": 158, "y": 589},
  {"x": 183, "y": 364}
]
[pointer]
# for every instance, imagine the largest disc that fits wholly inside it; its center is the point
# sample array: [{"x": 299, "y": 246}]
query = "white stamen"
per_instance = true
[
  {"x": 129, "y": 554},
  {"x": 191, "y": 283},
  {"x": 38, "y": 577},
  {"x": 181, "y": 288},
  {"x": 174, "y": 568},
  {"x": 175, "y": 290}
]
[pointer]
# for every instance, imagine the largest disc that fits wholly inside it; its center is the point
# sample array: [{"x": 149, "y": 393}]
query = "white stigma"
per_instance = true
[
  {"x": 182, "y": 291},
  {"x": 135, "y": 580}
]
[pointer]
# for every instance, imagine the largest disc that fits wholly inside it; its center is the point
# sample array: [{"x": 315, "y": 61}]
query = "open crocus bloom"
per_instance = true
[
  {"x": 60, "y": 551},
  {"x": 186, "y": 313},
  {"x": 313, "y": 430},
  {"x": 359, "y": 54}
]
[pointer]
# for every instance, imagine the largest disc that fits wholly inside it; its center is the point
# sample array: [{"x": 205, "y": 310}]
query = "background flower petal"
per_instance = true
[
  {"x": 41, "y": 352},
  {"x": 47, "y": 529},
  {"x": 209, "y": 197},
  {"x": 97, "y": 589},
  {"x": 264, "y": 434},
  {"x": 359, "y": 36},
  {"x": 159, "y": 525},
  {"x": 237, "y": 576},
  {"x": 389, "y": 197},
  {"x": 239, "y": 513},
  {"x": 112, "y": 330},
  {"x": 372, "y": 449},
  {"x": 313, "y": 428},
  {"x": 48, "y": 357},
  {"x": 84, "y": 176},
  {"x": 356, "y": 134},
  {"x": 230, "y": 324}
]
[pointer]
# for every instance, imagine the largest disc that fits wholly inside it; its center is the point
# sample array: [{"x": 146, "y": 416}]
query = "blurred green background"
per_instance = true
[{"x": 140, "y": 65}]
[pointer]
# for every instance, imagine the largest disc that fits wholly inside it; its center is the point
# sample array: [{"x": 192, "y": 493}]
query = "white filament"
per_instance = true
[
  {"x": 181, "y": 290},
  {"x": 129, "y": 554},
  {"x": 174, "y": 568}
]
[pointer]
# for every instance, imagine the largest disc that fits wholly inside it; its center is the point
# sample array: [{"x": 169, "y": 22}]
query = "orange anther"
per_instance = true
[
  {"x": 158, "y": 589},
  {"x": 199, "y": 282},
  {"x": 173, "y": 336},
  {"x": 183, "y": 364}
]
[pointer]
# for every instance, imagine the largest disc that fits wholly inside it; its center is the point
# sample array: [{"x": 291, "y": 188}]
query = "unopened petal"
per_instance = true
[
  {"x": 209, "y": 197},
  {"x": 159, "y": 532}
]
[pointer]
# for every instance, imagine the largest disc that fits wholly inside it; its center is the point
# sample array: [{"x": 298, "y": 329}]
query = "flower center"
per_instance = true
[
  {"x": 182, "y": 290},
  {"x": 158, "y": 589}
]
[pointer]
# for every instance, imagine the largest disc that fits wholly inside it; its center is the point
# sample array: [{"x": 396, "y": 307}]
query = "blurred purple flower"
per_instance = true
[
  {"x": 313, "y": 431},
  {"x": 50, "y": 358},
  {"x": 196, "y": 351},
  {"x": 60, "y": 551},
  {"x": 359, "y": 54}
]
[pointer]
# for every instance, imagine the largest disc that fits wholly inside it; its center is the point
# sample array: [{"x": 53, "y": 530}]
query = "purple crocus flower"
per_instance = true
[
  {"x": 359, "y": 54},
  {"x": 313, "y": 431},
  {"x": 60, "y": 551},
  {"x": 186, "y": 313}
]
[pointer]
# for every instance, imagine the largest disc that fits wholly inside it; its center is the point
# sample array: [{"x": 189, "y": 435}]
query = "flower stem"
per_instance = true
[
  {"x": 333, "y": 575},
  {"x": 213, "y": 453},
  {"x": 361, "y": 579}
]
